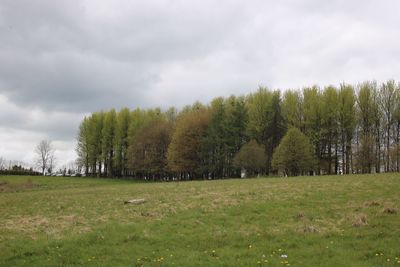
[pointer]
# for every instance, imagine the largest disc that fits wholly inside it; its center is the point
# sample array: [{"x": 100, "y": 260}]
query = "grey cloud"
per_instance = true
[
  {"x": 59, "y": 59},
  {"x": 62, "y": 59}
]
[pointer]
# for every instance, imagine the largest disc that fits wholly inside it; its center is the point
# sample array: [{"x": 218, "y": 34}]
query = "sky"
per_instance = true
[{"x": 62, "y": 60}]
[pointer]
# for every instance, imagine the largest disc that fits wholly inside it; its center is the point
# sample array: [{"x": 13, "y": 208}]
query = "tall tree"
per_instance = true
[
  {"x": 184, "y": 153},
  {"x": 236, "y": 122},
  {"x": 214, "y": 141},
  {"x": 313, "y": 121},
  {"x": 2, "y": 163},
  {"x": 121, "y": 141},
  {"x": 292, "y": 109},
  {"x": 83, "y": 145},
  {"x": 396, "y": 117},
  {"x": 149, "y": 151},
  {"x": 266, "y": 124},
  {"x": 108, "y": 137},
  {"x": 329, "y": 123},
  {"x": 347, "y": 123},
  {"x": 95, "y": 126},
  {"x": 366, "y": 120},
  {"x": 388, "y": 96}
]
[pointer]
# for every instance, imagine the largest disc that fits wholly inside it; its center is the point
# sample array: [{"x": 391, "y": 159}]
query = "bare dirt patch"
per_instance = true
[
  {"x": 7, "y": 187},
  {"x": 390, "y": 210},
  {"x": 3, "y": 186}
]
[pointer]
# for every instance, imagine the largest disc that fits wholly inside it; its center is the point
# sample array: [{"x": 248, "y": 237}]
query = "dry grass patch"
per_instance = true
[
  {"x": 309, "y": 229},
  {"x": 26, "y": 224},
  {"x": 360, "y": 220},
  {"x": 372, "y": 203}
]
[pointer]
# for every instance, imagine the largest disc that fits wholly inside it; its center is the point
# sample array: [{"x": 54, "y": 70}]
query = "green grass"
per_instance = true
[{"x": 315, "y": 221}]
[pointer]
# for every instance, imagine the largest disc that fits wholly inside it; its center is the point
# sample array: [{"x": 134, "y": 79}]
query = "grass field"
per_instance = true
[{"x": 303, "y": 221}]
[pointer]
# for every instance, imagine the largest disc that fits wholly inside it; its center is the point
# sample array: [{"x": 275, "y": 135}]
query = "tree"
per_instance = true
[
  {"x": 388, "y": 97},
  {"x": 276, "y": 127},
  {"x": 95, "y": 126},
  {"x": 52, "y": 163},
  {"x": 184, "y": 153},
  {"x": 292, "y": 109},
  {"x": 149, "y": 151},
  {"x": 396, "y": 117},
  {"x": 347, "y": 123},
  {"x": 368, "y": 118},
  {"x": 251, "y": 158},
  {"x": 83, "y": 145},
  {"x": 266, "y": 124},
  {"x": 122, "y": 141},
  {"x": 312, "y": 115},
  {"x": 214, "y": 140},
  {"x": 108, "y": 137},
  {"x": 235, "y": 131},
  {"x": 329, "y": 130},
  {"x": 2, "y": 163},
  {"x": 44, "y": 155},
  {"x": 350, "y": 129},
  {"x": 294, "y": 155}
]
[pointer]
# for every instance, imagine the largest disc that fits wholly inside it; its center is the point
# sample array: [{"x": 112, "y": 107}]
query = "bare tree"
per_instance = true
[
  {"x": 52, "y": 163},
  {"x": 2, "y": 163},
  {"x": 44, "y": 155}
]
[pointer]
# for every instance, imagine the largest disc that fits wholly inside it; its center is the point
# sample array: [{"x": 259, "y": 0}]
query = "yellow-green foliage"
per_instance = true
[{"x": 294, "y": 154}]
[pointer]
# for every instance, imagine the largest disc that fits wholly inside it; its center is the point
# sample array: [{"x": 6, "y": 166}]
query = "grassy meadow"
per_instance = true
[{"x": 302, "y": 221}]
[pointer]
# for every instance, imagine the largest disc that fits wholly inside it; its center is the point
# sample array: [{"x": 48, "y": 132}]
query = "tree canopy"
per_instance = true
[
  {"x": 251, "y": 158},
  {"x": 294, "y": 154},
  {"x": 350, "y": 128}
]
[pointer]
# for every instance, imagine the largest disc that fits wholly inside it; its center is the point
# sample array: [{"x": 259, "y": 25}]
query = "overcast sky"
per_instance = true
[{"x": 60, "y": 60}]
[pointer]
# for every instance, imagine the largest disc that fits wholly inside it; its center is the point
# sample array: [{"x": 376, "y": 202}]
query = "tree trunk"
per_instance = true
[
  {"x": 336, "y": 158},
  {"x": 377, "y": 151},
  {"x": 387, "y": 147},
  {"x": 344, "y": 154},
  {"x": 329, "y": 157},
  {"x": 397, "y": 146}
]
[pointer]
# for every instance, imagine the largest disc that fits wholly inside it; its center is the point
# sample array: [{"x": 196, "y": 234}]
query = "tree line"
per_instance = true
[
  {"x": 13, "y": 167},
  {"x": 347, "y": 129}
]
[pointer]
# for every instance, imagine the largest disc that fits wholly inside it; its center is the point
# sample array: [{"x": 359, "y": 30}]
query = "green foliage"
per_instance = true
[
  {"x": 312, "y": 113},
  {"x": 95, "y": 126},
  {"x": 292, "y": 109},
  {"x": 266, "y": 124},
  {"x": 351, "y": 130},
  {"x": 108, "y": 141},
  {"x": 347, "y": 123},
  {"x": 122, "y": 142},
  {"x": 329, "y": 131},
  {"x": 369, "y": 122},
  {"x": 184, "y": 152},
  {"x": 83, "y": 145},
  {"x": 294, "y": 154},
  {"x": 251, "y": 158},
  {"x": 224, "y": 136}
]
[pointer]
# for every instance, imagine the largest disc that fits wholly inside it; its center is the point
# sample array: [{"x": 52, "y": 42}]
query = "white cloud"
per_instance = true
[{"x": 62, "y": 60}]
